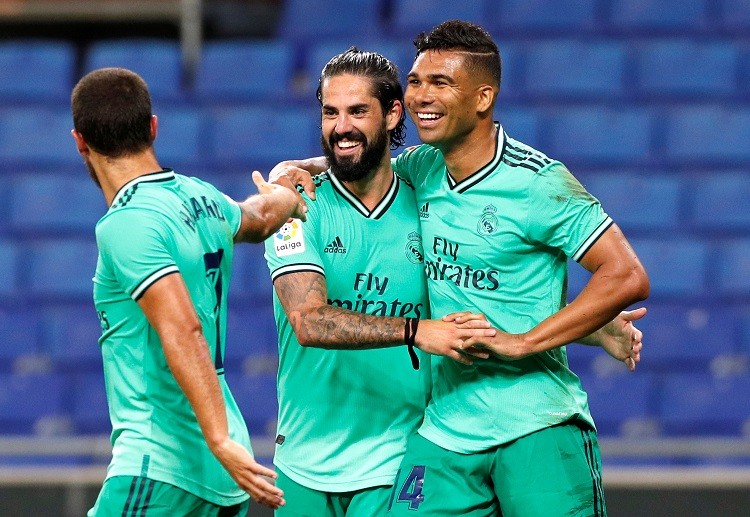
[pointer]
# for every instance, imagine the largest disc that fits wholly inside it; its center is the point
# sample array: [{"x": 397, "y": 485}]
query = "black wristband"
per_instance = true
[{"x": 410, "y": 334}]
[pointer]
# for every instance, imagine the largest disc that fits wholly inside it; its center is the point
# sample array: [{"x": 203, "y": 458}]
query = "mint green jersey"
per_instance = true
[
  {"x": 497, "y": 242},
  {"x": 344, "y": 415},
  {"x": 159, "y": 224}
]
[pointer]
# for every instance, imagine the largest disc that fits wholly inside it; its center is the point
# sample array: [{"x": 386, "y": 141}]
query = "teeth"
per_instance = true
[
  {"x": 428, "y": 116},
  {"x": 348, "y": 144}
]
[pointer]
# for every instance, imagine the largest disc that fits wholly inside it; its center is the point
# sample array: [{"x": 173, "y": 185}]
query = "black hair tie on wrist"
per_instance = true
[{"x": 410, "y": 333}]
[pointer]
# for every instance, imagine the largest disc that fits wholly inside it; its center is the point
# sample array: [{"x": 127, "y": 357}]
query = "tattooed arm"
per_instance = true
[{"x": 304, "y": 297}]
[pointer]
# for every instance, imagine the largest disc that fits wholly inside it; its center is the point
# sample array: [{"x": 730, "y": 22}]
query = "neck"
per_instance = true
[
  {"x": 466, "y": 156},
  {"x": 113, "y": 173},
  {"x": 371, "y": 189}
]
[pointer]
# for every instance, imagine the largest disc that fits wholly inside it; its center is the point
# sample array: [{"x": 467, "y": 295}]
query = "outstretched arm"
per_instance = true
[
  {"x": 169, "y": 309},
  {"x": 620, "y": 338},
  {"x": 291, "y": 173},
  {"x": 304, "y": 297}
]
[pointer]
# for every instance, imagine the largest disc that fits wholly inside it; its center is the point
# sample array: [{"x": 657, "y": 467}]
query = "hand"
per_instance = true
[
  {"x": 290, "y": 176},
  {"x": 249, "y": 474},
  {"x": 509, "y": 347},
  {"x": 448, "y": 336},
  {"x": 622, "y": 340},
  {"x": 266, "y": 188}
]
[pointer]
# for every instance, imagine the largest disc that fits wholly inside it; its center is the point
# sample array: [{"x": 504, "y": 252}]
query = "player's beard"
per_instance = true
[
  {"x": 92, "y": 172},
  {"x": 349, "y": 168}
]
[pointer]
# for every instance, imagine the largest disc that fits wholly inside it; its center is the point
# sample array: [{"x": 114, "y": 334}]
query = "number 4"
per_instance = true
[{"x": 411, "y": 490}]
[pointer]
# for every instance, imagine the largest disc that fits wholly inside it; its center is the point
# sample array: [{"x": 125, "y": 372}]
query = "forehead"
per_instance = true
[
  {"x": 347, "y": 89},
  {"x": 440, "y": 62}
]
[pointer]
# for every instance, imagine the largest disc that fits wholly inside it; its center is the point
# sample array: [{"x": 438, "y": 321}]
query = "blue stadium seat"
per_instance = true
[
  {"x": 71, "y": 336},
  {"x": 303, "y": 20},
  {"x": 666, "y": 68},
  {"x": 541, "y": 15},
  {"x": 89, "y": 404},
  {"x": 256, "y": 397},
  {"x": 687, "y": 338},
  {"x": 61, "y": 268},
  {"x": 676, "y": 267},
  {"x": 734, "y": 268},
  {"x": 26, "y": 399},
  {"x": 650, "y": 15},
  {"x": 523, "y": 124},
  {"x": 410, "y": 18},
  {"x": 181, "y": 136},
  {"x": 594, "y": 134},
  {"x": 245, "y": 71},
  {"x": 619, "y": 401},
  {"x": 735, "y": 14},
  {"x": 720, "y": 202},
  {"x": 36, "y": 70},
  {"x": 513, "y": 67},
  {"x": 19, "y": 335},
  {"x": 251, "y": 277},
  {"x": 260, "y": 137},
  {"x": 10, "y": 261},
  {"x": 44, "y": 203},
  {"x": 251, "y": 331},
  {"x": 699, "y": 404},
  {"x": 713, "y": 133},
  {"x": 38, "y": 137},
  {"x": 158, "y": 61},
  {"x": 638, "y": 201},
  {"x": 565, "y": 68}
]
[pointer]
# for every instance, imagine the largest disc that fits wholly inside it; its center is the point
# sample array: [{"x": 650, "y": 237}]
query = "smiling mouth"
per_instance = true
[
  {"x": 428, "y": 117},
  {"x": 348, "y": 144}
]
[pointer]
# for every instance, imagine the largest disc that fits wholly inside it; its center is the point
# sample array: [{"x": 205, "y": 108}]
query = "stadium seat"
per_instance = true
[
  {"x": 734, "y": 268},
  {"x": 232, "y": 71},
  {"x": 36, "y": 71},
  {"x": 71, "y": 337},
  {"x": 596, "y": 135},
  {"x": 664, "y": 15},
  {"x": 10, "y": 262},
  {"x": 637, "y": 201},
  {"x": 260, "y": 137},
  {"x": 251, "y": 331},
  {"x": 621, "y": 402},
  {"x": 38, "y": 137},
  {"x": 691, "y": 134},
  {"x": 666, "y": 68},
  {"x": 51, "y": 203},
  {"x": 303, "y": 21},
  {"x": 251, "y": 278},
  {"x": 720, "y": 202},
  {"x": 89, "y": 404},
  {"x": 568, "y": 68},
  {"x": 540, "y": 15},
  {"x": 19, "y": 335},
  {"x": 520, "y": 123},
  {"x": 699, "y": 404},
  {"x": 513, "y": 68},
  {"x": 409, "y": 18},
  {"x": 25, "y": 400},
  {"x": 181, "y": 137},
  {"x": 158, "y": 61},
  {"x": 676, "y": 267},
  {"x": 687, "y": 337},
  {"x": 256, "y": 397},
  {"x": 61, "y": 268},
  {"x": 735, "y": 14}
]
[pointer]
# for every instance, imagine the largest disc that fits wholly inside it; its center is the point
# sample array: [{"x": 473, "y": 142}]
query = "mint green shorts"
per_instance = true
[
  {"x": 306, "y": 502},
  {"x": 129, "y": 496},
  {"x": 550, "y": 473}
]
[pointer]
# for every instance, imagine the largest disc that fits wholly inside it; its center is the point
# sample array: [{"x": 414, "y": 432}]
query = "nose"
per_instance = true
[
  {"x": 421, "y": 93},
  {"x": 343, "y": 124}
]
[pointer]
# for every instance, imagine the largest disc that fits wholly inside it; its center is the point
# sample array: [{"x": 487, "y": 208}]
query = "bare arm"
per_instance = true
[
  {"x": 265, "y": 212},
  {"x": 304, "y": 297},
  {"x": 291, "y": 173},
  {"x": 169, "y": 309},
  {"x": 618, "y": 280},
  {"x": 620, "y": 338}
]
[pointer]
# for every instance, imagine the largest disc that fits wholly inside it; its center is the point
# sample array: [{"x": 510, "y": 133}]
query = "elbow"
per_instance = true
[{"x": 636, "y": 285}]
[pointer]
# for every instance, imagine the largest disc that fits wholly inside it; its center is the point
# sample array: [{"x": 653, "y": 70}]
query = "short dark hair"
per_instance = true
[
  {"x": 383, "y": 74},
  {"x": 483, "y": 53},
  {"x": 112, "y": 111}
]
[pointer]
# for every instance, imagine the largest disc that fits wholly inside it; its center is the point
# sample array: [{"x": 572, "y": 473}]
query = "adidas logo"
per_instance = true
[
  {"x": 424, "y": 211},
  {"x": 336, "y": 246}
]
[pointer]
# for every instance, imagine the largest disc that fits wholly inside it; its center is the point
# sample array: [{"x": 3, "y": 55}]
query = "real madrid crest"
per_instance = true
[
  {"x": 487, "y": 222},
  {"x": 414, "y": 251}
]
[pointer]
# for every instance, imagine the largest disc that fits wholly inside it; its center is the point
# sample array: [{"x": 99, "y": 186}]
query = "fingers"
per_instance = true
[
  {"x": 475, "y": 352},
  {"x": 260, "y": 182},
  {"x": 260, "y": 470},
  {"x": 264, "y": 492},
  {"x": 474, "y": 324},
  {"x": 630, "y": 363},
  {"x": 460, "y": 317},
  {"x": 634, "y": 315}
]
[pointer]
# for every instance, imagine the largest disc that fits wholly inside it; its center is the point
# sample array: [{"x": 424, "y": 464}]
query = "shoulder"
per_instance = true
[{"x": 518, "y": 154}]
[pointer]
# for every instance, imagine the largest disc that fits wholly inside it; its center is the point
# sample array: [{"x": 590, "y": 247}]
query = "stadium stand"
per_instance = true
[{"x": 36, "y": 71}]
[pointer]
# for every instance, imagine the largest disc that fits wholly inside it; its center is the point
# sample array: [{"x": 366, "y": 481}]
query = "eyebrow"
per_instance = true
[{"x": 435, "y": 77}]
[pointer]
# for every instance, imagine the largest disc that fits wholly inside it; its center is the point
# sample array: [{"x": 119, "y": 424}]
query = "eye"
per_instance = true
[{"x": 413, "y": 82}]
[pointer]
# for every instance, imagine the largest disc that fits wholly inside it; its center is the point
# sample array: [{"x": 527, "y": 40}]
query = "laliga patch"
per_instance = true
[{"x": 289, "y": 239}]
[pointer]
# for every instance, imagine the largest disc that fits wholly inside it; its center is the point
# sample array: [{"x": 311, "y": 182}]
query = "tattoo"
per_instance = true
[{"x": 304, "y": 297}]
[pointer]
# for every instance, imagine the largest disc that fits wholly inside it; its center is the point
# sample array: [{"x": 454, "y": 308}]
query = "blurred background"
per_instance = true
[{"x": 646, "y": 101}]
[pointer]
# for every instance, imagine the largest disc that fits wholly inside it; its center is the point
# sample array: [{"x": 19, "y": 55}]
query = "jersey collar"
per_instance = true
[
  {"x": 476, "y": 177},
  {"x": 380, "y": 209},
  {"x": 132, "y": 185}
]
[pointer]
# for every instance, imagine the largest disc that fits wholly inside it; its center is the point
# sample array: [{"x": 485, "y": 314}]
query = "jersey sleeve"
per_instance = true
[
  {"x": 407, "y": 164},
  {"x": 133, "y": 246},
  {"x": 228, "y": 206},
  {"x": 295, "y": 247},
  {"x": 562, "y": 214}
]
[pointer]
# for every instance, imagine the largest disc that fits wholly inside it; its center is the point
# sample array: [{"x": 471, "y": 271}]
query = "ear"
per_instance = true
[
  {"x": 154, "y": 127},
  {"x": 393, "y": 116},
  {"x": 81, "y": 145},
  {"x": 486, "y": 95}
]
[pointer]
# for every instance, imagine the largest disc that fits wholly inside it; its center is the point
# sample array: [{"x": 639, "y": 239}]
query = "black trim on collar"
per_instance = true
[
  {"x": 484, "y": 171},
  {"x": 382, "y": 206}
]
